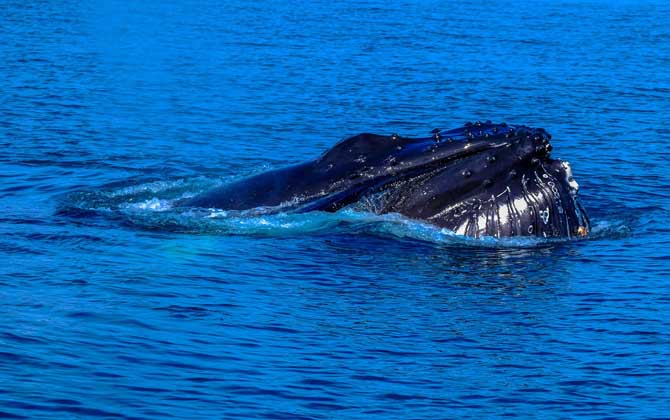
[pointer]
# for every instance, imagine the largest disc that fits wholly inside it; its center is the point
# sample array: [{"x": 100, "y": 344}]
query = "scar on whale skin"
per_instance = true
[{"x": 482, "y": 179}]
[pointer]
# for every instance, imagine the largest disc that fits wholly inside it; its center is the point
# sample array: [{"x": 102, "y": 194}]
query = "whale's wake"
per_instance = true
[{"x": 152, "y": 206}]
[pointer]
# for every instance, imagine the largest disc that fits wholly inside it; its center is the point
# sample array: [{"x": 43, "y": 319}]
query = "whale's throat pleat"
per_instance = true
[{"x": 531, "y": 201}]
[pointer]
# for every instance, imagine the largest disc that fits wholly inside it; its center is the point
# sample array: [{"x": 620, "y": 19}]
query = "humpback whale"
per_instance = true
[{"x": 481, "y": 179}]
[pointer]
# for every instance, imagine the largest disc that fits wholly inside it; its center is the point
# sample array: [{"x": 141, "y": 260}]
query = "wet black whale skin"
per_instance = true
[{"x": 481, "y": 179}]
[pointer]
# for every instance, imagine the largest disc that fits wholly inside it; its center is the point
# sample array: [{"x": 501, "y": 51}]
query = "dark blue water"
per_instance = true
[{"x": 112, "y": 305}]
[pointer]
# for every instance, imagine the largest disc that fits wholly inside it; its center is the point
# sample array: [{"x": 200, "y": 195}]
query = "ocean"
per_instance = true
[{"x": 114, "y": 305}]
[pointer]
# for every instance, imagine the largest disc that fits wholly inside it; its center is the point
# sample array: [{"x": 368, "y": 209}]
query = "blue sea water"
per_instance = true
[{"x": 113, "y": 305}]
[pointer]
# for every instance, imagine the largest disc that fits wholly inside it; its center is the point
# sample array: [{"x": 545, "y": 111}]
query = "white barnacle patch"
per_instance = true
[
  {"x": 462, "y": 228},
  {"x": 503, "y": 214},
  {"x": 481, "y": 223},
  {"x": 574, "y": 186},
  {"x": 544, "y": 214}
]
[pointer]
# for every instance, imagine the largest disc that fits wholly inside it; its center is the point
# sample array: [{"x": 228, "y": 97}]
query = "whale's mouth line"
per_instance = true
[
  {"x": 344, "y": 195},
  {"x": 348, "y": 194}
]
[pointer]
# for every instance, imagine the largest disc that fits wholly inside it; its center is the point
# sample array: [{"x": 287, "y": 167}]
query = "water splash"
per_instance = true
[{"x": 154, "y": 205}]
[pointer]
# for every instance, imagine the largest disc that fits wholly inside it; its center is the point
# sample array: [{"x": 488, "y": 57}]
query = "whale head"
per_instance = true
[{"x": 482, "y": 179}]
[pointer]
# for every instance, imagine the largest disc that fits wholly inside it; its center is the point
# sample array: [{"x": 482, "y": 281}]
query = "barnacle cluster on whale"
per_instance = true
[{"x": 481, "y": 179}]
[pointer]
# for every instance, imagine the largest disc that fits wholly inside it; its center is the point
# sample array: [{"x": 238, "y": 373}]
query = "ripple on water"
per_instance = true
[{"x": 152, "y": 206}]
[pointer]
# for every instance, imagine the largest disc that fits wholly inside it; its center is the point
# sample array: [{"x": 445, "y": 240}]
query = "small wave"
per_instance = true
[
  {"x": 154, "y": 204},
  {"x": 610, "y": 229}
]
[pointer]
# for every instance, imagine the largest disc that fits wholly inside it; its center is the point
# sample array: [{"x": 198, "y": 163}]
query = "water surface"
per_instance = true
[{"x": 115, "y": 307}]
